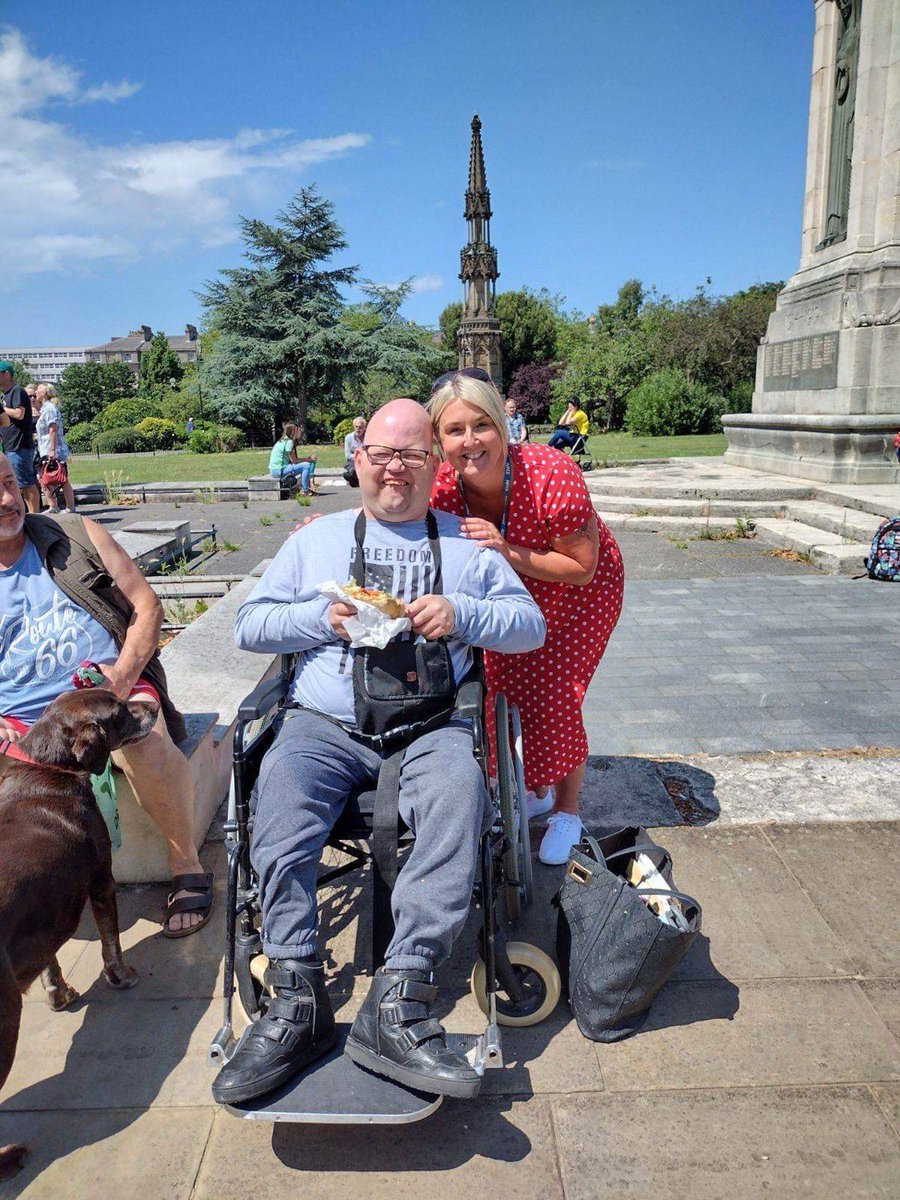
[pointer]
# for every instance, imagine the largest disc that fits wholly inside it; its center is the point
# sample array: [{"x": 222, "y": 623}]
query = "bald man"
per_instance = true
[{"x": 319, "y": 757}]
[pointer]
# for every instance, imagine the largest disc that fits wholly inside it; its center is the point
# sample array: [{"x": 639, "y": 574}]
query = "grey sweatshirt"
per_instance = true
[{"x": 285, "y": 613}]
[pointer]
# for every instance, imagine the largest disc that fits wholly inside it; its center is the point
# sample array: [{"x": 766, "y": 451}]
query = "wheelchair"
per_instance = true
[{"x": 514, "y": 983}]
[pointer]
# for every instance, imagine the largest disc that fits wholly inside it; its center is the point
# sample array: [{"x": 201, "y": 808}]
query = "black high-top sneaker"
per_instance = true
[
  {"x": 395, "y": 1035},
  {"x": 297, "y": 1028}
]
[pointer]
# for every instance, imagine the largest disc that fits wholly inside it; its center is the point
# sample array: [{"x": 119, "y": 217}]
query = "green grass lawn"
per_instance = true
[
  {"x": 170, "y": 467},
  {"x": 177, "y": 468}
]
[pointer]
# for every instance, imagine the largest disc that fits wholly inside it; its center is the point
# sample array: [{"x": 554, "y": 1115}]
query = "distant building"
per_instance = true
[
  {"x": 129, "y": 349},
  {"x": 46, "y": 363}
]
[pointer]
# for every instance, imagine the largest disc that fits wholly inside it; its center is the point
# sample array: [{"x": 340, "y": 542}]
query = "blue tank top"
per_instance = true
[{"x": 43, "y": 637}]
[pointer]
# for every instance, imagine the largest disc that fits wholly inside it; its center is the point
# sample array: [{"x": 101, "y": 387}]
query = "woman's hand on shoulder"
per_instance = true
[{"x": 477, "y": 529}]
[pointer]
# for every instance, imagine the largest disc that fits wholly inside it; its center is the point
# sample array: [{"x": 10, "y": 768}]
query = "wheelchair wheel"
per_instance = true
[
  {"x": 509, "y": 811},
  {"x": 539, "y": 980}
]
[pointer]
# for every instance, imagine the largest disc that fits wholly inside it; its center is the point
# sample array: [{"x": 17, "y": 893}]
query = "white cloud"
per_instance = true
[
  {"x": 111, "y": 92},
  {"x": 427, "y": 283},
  {"x": 69, "y": 202}
]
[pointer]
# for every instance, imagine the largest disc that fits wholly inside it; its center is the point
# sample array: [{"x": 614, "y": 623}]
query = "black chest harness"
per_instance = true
[{"x": 407, "y": 688}]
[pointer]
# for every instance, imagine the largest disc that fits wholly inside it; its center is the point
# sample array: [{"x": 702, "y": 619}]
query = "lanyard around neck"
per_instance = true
[{"x": 507, "y": 484}]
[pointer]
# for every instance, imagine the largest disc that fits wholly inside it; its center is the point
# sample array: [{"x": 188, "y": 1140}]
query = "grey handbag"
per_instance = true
[{"x": 614, "y": 952}]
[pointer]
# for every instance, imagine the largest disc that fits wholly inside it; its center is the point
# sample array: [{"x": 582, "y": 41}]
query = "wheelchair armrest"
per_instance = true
[
  {"x": 264, "y": 697},
  {"x": 469, "y": 698}
]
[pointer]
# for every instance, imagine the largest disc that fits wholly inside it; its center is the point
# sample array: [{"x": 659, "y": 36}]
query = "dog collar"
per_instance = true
[{"x": 11, "y": 750}]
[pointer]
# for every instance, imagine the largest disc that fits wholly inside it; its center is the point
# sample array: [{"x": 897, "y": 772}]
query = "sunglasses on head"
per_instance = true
[{"x": 469, "y": 372}]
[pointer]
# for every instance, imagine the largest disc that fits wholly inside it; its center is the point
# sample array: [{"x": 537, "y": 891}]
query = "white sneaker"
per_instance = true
[
  {"x": 563, "y": 831},
  {"x": 536, "y": 806}
]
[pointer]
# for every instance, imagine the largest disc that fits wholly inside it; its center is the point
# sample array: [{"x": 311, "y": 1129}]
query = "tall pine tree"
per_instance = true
[{"x": 281, "y": 347}]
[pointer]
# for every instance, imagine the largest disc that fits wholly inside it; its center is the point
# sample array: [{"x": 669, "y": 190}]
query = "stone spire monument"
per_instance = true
[
  {"x": 478, "y": 336},
  {"x": 827, "y": 400}
]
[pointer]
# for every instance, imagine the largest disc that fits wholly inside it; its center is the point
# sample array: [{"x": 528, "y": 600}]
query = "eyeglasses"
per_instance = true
[{"x": 383, "y": 456}]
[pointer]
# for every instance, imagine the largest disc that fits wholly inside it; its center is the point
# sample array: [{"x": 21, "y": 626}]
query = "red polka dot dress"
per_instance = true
[{"x": 548, "y": 499}]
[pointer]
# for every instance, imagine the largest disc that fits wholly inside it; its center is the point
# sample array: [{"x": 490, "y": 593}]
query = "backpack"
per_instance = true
[{"x": 884, "y": 556}]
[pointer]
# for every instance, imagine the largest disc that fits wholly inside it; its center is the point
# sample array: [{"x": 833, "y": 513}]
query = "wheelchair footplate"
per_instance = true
[{"x": 335, "y": 1091}]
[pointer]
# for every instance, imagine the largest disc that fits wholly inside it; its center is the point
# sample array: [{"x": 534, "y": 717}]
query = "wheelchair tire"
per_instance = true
[
  {"x": 540, "y": 977},
  {"x": 509, "y": 816}
]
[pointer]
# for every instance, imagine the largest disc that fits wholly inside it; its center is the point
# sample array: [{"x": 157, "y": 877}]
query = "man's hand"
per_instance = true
[
  {"x": 432, "y": 616},
  {"x": 306, "y": 521},
  {"x": 337, "y": 613},
  {"x": 117, "y": 681},
  {"x": 8, "y": 733}
]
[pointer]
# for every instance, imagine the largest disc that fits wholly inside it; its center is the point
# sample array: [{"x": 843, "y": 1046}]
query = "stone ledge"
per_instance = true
[{"x": 208, "y": 678}]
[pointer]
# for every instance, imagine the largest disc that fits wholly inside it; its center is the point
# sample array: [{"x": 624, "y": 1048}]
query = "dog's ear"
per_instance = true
[
  {"x": 90, "y": 745},
  {"x": 49, "y": 741}
]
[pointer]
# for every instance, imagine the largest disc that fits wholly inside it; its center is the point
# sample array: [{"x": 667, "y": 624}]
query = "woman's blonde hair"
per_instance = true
[
  {"x": 471, "y": 391},
  {"x": 48, "y": 389}
]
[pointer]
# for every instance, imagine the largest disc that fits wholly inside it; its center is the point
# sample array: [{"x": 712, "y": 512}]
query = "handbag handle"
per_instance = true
[
  {"x": 601, "y": 858},
  {"x": 637, "y": 846},
  {"x": 683, "y": 896}
]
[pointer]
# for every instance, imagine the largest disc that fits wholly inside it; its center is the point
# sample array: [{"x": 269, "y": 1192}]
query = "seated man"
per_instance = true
[
  {"x": 69, "y": 593},
  {"x": 320, "y": 755},
  {"x": 572, "y": 424}
]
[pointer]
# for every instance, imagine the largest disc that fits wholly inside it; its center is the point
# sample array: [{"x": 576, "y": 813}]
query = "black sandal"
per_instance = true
[{"x": 202, "y": 885}]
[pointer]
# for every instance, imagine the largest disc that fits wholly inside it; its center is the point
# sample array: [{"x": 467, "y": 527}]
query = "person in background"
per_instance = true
[
  {"x": 52, "y": 444},
  {"x": 515, "y": 424},
  {"x": 189, "y": 426},
  {"x": 572, "y": 424},
  {"x": 31, "y": 389},
  {"x": 530, "y": 503},
  {"x": 354, "y": 440},
  {"x": 17, "y": 434},
  {"x": 284, "y": 460}
]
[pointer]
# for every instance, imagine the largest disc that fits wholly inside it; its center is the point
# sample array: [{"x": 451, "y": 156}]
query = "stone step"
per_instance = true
[
  {"x": 826, "y": 550},
  {"x": 715, "y": 489},
  {"x": 645, "y": 506},
  {"x": 680, "y": 527},
  {"x": 849, "y": 523}
]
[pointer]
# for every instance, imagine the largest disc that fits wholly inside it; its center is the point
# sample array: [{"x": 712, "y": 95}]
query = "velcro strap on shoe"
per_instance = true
[
  {"x": 414, "y": 989},
  {"x": 422, "y": 1031},
  {"x": 290, "y": 1010},
  {"x": 288, "y": 1036},
  {"x": 284, "y": 977},
  {"x": 399, "y": 1011}
]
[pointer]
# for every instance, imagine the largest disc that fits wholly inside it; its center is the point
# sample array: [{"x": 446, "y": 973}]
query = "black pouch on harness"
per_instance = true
[{"x": 407, "y": 688}]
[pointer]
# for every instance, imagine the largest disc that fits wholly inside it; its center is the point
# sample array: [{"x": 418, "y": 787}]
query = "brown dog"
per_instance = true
[{"x": 55, "y": 855}]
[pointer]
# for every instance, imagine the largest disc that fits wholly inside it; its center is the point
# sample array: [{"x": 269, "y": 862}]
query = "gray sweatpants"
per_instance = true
[{"x": 304, "y": 781}]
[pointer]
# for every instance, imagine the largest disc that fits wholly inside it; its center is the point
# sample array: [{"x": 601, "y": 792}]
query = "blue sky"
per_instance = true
[{"x": 647, "y": 138}]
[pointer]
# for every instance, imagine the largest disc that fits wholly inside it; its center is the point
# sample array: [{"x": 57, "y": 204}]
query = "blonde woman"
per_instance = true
[
  {"x": 51, "y": 443},
  {"x": 530, "y": 503}
]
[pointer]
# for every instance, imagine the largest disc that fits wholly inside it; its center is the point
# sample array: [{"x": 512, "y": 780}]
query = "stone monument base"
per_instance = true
[{"x": 826, "y": 448}]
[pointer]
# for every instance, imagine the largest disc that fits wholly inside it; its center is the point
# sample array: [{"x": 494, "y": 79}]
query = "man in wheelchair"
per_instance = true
[{"x": 343, "y": 726}]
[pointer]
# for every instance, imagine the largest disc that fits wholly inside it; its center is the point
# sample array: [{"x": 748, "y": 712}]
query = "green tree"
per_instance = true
[
  {"x": 160, "y": 369},
  {"x": 449, "y": 323},
  {"x": 128, "y": 411},
  {"x": 626, "y": 309},
  {"x": 529, "y": 322},
  {"x": 399, "y": 357},
  {"x": 281, "y": 346},
  {"x": 85, "y": 389}
]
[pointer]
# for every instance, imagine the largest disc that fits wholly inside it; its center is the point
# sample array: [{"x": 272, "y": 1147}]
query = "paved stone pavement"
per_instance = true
[
  {"x": 729, "y": 666},
  {"x": 770, "y": 1063}
]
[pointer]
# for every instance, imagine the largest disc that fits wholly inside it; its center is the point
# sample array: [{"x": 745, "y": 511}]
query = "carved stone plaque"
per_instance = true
[{"x": 807, "y": 362}]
